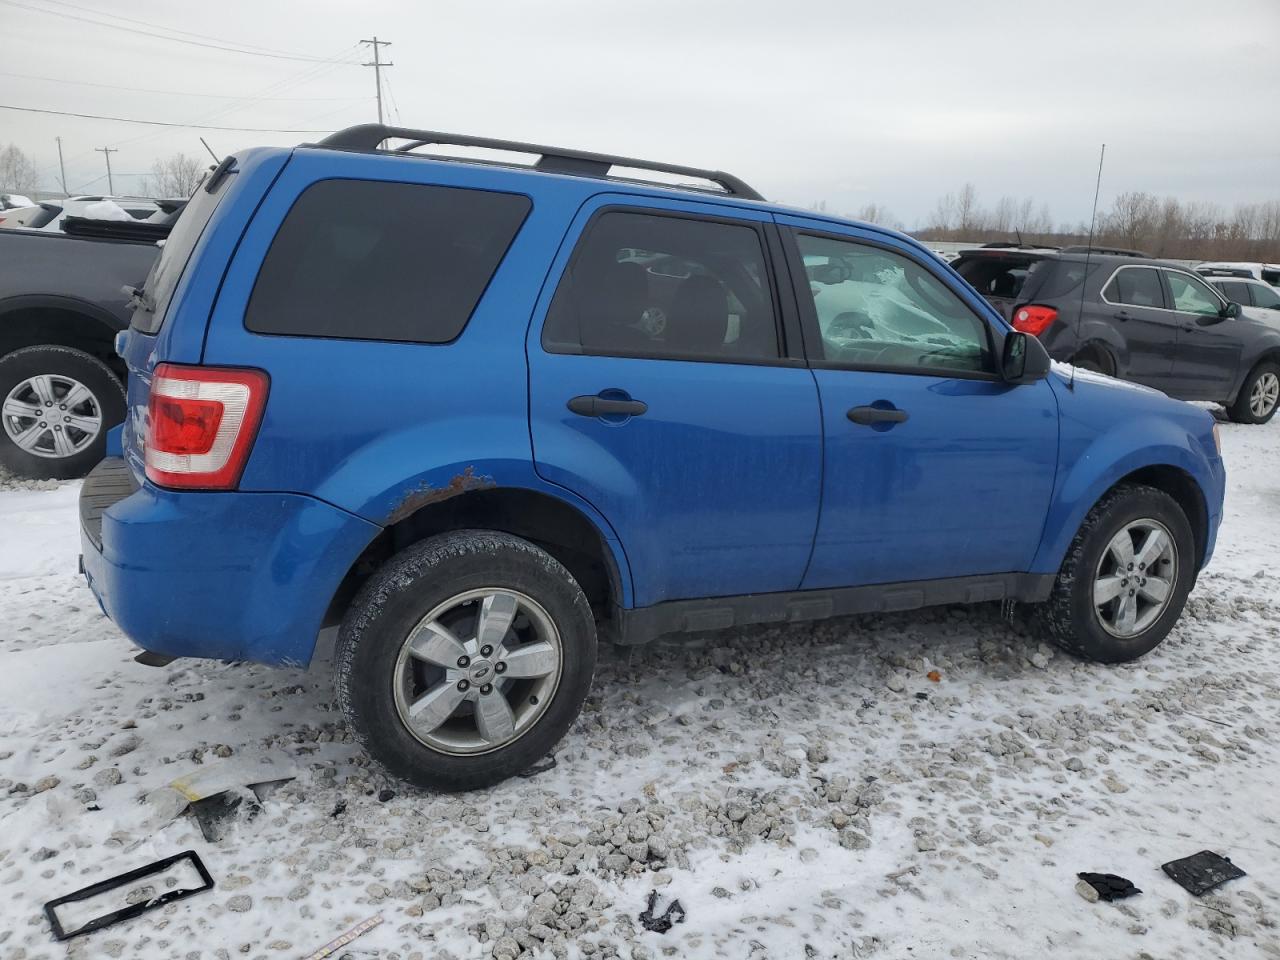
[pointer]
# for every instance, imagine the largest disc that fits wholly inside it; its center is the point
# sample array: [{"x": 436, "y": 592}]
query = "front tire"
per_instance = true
[
  {"x": 1125, "y": 578},
  {"x": 1259, "y": 395},
  {"x": 56, "y": 406},
  {"x": 465, "y": 659}
]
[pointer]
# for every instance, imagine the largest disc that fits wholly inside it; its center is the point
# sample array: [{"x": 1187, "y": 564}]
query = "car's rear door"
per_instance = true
[
  {"x": 934, "y": 466},
  {"x": 1207, "y": 364},
  {"x": 665, "y": 389},
  {"x": 1135, "y": 298}
]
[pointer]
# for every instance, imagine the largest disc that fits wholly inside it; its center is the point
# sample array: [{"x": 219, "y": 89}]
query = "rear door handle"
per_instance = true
[
  {"x": 869, "y": 415},
  {"x": 590, "y": 405},
  {"x": 1123, "y": 315}
]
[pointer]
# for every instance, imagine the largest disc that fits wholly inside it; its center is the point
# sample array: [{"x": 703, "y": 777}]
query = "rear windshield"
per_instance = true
[
  {"x": 175, "y": 251},
  {"x": 371, "y": 260},
  {"x": 999, "y": 276}
]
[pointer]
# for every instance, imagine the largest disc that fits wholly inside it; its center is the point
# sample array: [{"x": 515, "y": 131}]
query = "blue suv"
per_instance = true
[{"x": 483, "y": 414}]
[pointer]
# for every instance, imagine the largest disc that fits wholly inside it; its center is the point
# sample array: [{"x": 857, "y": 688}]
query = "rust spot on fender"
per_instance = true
[{"x": 425, "y": 495}]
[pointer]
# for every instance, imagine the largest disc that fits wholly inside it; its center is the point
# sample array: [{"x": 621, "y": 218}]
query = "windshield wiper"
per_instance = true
[{"x": 138, "y": 297}]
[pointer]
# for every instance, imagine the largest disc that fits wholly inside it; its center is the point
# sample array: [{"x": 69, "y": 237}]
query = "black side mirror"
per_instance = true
[
  {"x": 1230, "y": 310},
  {"x": 1024, "y": 359}
]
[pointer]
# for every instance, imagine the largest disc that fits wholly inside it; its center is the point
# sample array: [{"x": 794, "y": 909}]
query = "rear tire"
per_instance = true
[
  {"x": 1259, "y": 395},
  {"x": 1096, "y": 360},
  {"x": 1130, "y": 622},
  {"x": 415, "y": 683},
  {"x": 33, "y": 381}
]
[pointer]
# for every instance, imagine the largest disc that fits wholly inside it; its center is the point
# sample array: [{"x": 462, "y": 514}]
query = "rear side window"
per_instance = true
[
  {"x": 665, "y": 287},
  {"x": 1233, "y": 290},
  {"x": 1135, "y": 286},
  {"x": 366, "y": 260},
  {"x": 175, "y": 251}
]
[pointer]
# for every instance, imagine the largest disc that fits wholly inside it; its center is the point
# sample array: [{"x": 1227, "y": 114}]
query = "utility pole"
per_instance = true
[
  {"x": 62, "y": 168},
  {"x": 107, "y": 152},
  {"x": 377, "y": 65}
]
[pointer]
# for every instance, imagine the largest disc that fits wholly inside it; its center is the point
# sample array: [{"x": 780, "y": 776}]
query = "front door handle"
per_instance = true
[
  {"x": 591, "y": 405},
  {"x": 869, "y": 415}
]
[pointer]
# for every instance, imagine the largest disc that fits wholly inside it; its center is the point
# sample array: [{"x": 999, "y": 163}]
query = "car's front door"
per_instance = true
[
  {"x": 934, "y": 467},
  {"x": 1135, "y": 298},
  {"x": 1207, "y": 363},
  {"x": 661, "y": 390}
]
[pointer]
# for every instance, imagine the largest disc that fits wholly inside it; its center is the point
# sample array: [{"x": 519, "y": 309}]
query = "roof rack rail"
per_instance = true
[
  {"x": 368, "y": 136},
  {"x": 1106, "y": 251}
]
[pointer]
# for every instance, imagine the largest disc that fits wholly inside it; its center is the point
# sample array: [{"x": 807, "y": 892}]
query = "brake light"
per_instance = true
[
  {"x": 201, "y": 424},
  {"x": 1034, "y": 319}
]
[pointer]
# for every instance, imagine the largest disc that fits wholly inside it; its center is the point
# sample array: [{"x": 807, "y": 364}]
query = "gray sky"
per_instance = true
[{"x": 848, "y": 102}]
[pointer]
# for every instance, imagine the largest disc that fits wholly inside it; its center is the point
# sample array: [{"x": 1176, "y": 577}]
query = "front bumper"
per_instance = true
[{"x": 229, "y": 576}]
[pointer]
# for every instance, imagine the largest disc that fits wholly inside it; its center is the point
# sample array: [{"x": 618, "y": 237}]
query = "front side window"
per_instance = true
[
  {"x": 1264, "y": 296},
  {"x": 1191, "y": 295},
  {"x": 1136, "y": 287},
  {"x": 665, "y": 287},
  {"x": 368, "y": 260},
  {"x": 882, "y": 310}
]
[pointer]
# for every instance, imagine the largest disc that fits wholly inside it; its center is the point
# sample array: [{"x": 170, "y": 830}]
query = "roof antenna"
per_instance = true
[
  {"x": 1088, "y": 255},
  {"x": 1018, "y": 232},
  {"x": 216, "y": 158}
]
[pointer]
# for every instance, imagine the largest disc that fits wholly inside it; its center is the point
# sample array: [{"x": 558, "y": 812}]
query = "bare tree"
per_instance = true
[
  {"x": 178, "y": 176},
  {"x": 878, "y": 214},
  {"x": 18, "y": 173}
]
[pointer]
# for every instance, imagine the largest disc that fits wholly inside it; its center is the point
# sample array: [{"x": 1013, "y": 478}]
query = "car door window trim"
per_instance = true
[
  {"x": 809, "y": 313},
  {"x": 785, "y": 356}
]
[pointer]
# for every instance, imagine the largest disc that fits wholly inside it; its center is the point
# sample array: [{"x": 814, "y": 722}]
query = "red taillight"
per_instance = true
[
  {"x": 201, "y": 423},
  {"x": 1033, "y": 319}
]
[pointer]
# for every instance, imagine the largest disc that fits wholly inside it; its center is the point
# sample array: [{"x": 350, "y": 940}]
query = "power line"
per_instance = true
[
  {"x": 162, "y": 36},
  {"x": 178, "y": 93},
  {"x": 159, "y": 26},
  {"x": 155, "y": 123}
]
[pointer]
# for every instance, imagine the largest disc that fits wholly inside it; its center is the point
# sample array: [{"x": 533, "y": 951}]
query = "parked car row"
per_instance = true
[{"x": 1120, "y": 313}]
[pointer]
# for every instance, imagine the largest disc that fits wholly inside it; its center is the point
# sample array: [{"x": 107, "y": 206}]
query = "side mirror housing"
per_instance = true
[
  {"x": 1229, "y": 311},
  {"x": 1023, "y": 359}
]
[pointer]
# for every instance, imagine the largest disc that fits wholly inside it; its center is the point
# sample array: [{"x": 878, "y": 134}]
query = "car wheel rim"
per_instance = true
[
  {"x": 478, "y": 671},
  {"x": 51, "y": 416},
  {"x": 1265, "y": 393},
  {"x": 1134, "y": 582}
]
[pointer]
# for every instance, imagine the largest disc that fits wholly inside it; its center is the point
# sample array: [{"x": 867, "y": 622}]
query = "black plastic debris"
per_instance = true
[
  {"x": 1201, "y": 872},
  {"x": 133, "y": 909},
  {"x": 537, "y": 768},
  {"x": 217, "y": 813},
  {"x": 661, "y": 924},
  {"x": 1108, "y": 886}
]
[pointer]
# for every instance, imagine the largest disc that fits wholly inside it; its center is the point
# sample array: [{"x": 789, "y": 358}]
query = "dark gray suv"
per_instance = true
[{"x": 1137, "y": 319}]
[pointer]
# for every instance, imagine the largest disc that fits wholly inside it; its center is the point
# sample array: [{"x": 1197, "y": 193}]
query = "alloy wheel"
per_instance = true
[
  {"x": 1265, "y": 393},
  {"x": 1135, "y": 578},
  {"x": 478, "y": 671},
  {"x": 50, "y": 415}
]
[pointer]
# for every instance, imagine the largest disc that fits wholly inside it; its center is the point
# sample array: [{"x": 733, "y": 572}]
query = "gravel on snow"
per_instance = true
[{"x": 803, "y": 792}]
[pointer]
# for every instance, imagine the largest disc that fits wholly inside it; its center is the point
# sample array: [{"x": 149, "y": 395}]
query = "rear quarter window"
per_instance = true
[{"x": 370, "y": 260}]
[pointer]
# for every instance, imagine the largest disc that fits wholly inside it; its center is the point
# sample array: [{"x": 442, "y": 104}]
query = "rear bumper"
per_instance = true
[{"x": 230, "y": 576}]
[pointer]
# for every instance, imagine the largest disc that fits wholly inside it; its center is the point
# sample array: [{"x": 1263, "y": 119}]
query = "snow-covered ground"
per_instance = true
[{"x": 804, "y": 792}]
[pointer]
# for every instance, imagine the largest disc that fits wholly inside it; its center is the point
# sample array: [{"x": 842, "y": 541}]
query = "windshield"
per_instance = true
[{"x": 175, "y": 251}]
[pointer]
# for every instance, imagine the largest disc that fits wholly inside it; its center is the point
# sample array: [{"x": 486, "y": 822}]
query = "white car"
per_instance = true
[
  {"x": 1266, "y": 272},
  {"x": 49, "y": 214},
  {"x": 1246, "y": 291}
]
